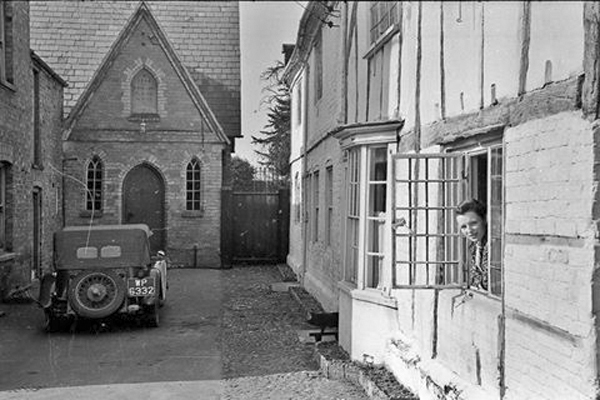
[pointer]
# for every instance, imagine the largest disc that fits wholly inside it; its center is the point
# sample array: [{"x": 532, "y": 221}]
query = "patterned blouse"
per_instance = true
[{"x": 478, "y": 265}]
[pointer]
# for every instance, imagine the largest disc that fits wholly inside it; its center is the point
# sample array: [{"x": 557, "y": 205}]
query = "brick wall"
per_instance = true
[
  {"x": 324, "y": 263},
  {"x": 549, "y": 263},
  {"x": 16, "y": 150},
  {"x": 324, "y": 260},
  {"x": 48, "y": 177},
  {"x": 166, "y": 145},
  {"x": 205, "y": 35},
  {"x": 549, "y": 258}
]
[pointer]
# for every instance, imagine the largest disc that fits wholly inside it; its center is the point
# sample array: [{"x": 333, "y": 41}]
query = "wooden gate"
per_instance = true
[{"x": 254, "y": 227}]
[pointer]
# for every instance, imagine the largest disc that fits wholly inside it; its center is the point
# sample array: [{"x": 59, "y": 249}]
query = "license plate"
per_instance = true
[{"x": 140, "y": 287}]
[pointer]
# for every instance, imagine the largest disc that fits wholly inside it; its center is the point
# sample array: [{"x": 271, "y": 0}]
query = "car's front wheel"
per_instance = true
[{"x": 96, "y": 294}]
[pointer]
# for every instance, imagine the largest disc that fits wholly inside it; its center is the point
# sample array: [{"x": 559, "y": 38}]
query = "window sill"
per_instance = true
[
  {"x": 382, "y": 40},
  {"x": 88, "y": 214},
  {"x": 4, "y": 257},
  {"x": 346, "y": 287},
  {"x": 374, "y": 296},
  {"x": 144, "y": 118},
  {"x": 192, "y": 214}
]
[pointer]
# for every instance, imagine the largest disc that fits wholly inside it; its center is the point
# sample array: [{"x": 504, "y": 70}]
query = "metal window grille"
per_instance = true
[
  {"x": 193, "y": 186},
  {"x": 94, "y": 185},
  {"x": 495, "y": 218},
  {"x": 427, "y": 250}
]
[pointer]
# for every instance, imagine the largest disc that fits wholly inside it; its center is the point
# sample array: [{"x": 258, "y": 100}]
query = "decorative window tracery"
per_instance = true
[
  {"x": 94, "y": 185},
  {"x": 193, "y": 186}
]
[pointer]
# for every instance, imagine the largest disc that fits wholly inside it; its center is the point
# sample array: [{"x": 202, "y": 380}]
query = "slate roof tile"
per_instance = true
[{"x": 73, "y": 37}]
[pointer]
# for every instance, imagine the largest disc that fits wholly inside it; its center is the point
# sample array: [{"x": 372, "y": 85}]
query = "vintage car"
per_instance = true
[{"x": 103, "y": 270}]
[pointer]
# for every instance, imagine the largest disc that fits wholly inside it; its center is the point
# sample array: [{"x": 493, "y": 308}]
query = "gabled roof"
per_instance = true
[
  {"x": 74, "y": 37},
  {"x": 143, "y": 13}
]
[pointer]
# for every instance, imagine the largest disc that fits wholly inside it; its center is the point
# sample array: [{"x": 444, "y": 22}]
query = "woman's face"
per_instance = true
[{"x": 471, "y": 225}]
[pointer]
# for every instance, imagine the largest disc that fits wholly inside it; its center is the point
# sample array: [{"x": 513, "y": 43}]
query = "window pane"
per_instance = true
[
  {"x": 375, "y": 236},
  {"x": 374, "y": 264}
]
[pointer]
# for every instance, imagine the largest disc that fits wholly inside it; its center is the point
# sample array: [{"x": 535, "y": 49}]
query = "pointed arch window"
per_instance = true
[
  {"x": 144, "y": 93},
  {"x": 193, "y": 186},
  {"x": 94, "y": 185}
]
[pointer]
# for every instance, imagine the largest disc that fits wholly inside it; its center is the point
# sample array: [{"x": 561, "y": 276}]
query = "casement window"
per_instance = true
[
  {"x": 6, "y": 43},
  {"x": 144, "y": 93},
  {"x": 383, "y": 15},
  {"x": 352, "y": 215},
  {"x": 297, "y": 196},
  {"x": 37, "y": 139},
  {"x": 3, "y": 206},
  {"x": 316, "y": 206},
  {"x": 193, "y": 186},
  {"x": 94, "y": 185},
  {"x": 318, "y": 75},
  {"x": 298, "y": 103},
  {"x": 328, "y": 203},
  {"x": 376, "y": 214},
  {"x": 428, "y": 251},
  {"x": 307, "y": 194},
  {"x": 36, "y": 257}
]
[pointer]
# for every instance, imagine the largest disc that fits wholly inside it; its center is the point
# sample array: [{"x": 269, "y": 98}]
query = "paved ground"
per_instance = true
[{"x": 240, "y": 343}]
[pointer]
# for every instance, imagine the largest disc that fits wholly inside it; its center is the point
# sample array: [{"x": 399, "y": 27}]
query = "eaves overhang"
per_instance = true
[
  {"x": 368, "y": 133},
  {"x": 313, "y": 17}
]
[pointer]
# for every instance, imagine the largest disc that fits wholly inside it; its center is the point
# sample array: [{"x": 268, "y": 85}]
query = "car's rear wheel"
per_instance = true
[{"x": 96, "y": 294}]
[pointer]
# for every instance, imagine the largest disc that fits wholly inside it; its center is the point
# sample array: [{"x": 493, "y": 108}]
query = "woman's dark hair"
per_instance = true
[{"x": 472, "y": 205}]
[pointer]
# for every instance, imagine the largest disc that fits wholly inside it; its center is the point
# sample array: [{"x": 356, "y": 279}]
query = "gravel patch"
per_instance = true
[
  {"x": 258, "y": 326},
  {"x": 304, "y": 385}
]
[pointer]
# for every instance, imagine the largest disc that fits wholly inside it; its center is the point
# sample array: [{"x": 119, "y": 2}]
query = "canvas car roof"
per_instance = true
[{"x": 126, "y": 227}]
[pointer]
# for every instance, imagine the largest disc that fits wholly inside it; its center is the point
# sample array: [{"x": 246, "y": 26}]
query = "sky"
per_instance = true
[{"x": 264, "y": 27}]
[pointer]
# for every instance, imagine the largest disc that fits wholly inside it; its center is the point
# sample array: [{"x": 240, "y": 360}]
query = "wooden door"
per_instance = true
[{"x": 143, "y": 202}]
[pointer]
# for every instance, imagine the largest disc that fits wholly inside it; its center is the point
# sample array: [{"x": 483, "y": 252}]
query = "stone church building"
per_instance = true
[{"x": 152, "y": 110}]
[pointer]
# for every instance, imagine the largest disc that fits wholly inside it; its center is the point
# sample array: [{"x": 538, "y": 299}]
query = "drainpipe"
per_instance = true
[{"x": 304, "y": 173}]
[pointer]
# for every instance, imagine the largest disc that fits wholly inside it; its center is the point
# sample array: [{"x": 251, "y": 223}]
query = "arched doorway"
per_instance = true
[{"x": 144, "y": 202}]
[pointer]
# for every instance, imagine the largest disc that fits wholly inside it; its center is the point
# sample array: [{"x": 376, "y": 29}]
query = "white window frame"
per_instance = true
[
  {"x": 316, "y": 200},
  {"x": 329, "y": 203},
  {"x": 352, "y": 217},
  {"x": 382, "y": 16},
  {"x": 375, "y": 258}
]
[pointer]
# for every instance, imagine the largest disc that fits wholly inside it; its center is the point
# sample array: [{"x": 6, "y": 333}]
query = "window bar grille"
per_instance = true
[
  {"x": 426, "y": 218},
  {"x": 446, "y": 262}
]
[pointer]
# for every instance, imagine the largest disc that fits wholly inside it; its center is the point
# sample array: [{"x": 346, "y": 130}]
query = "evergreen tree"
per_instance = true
[
  {"x": 275, "y": 139},
  {"x": 242, "y": 174}
]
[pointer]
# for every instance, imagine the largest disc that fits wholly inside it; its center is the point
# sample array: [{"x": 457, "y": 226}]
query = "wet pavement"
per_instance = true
[{"x": 224, "y": 334}]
